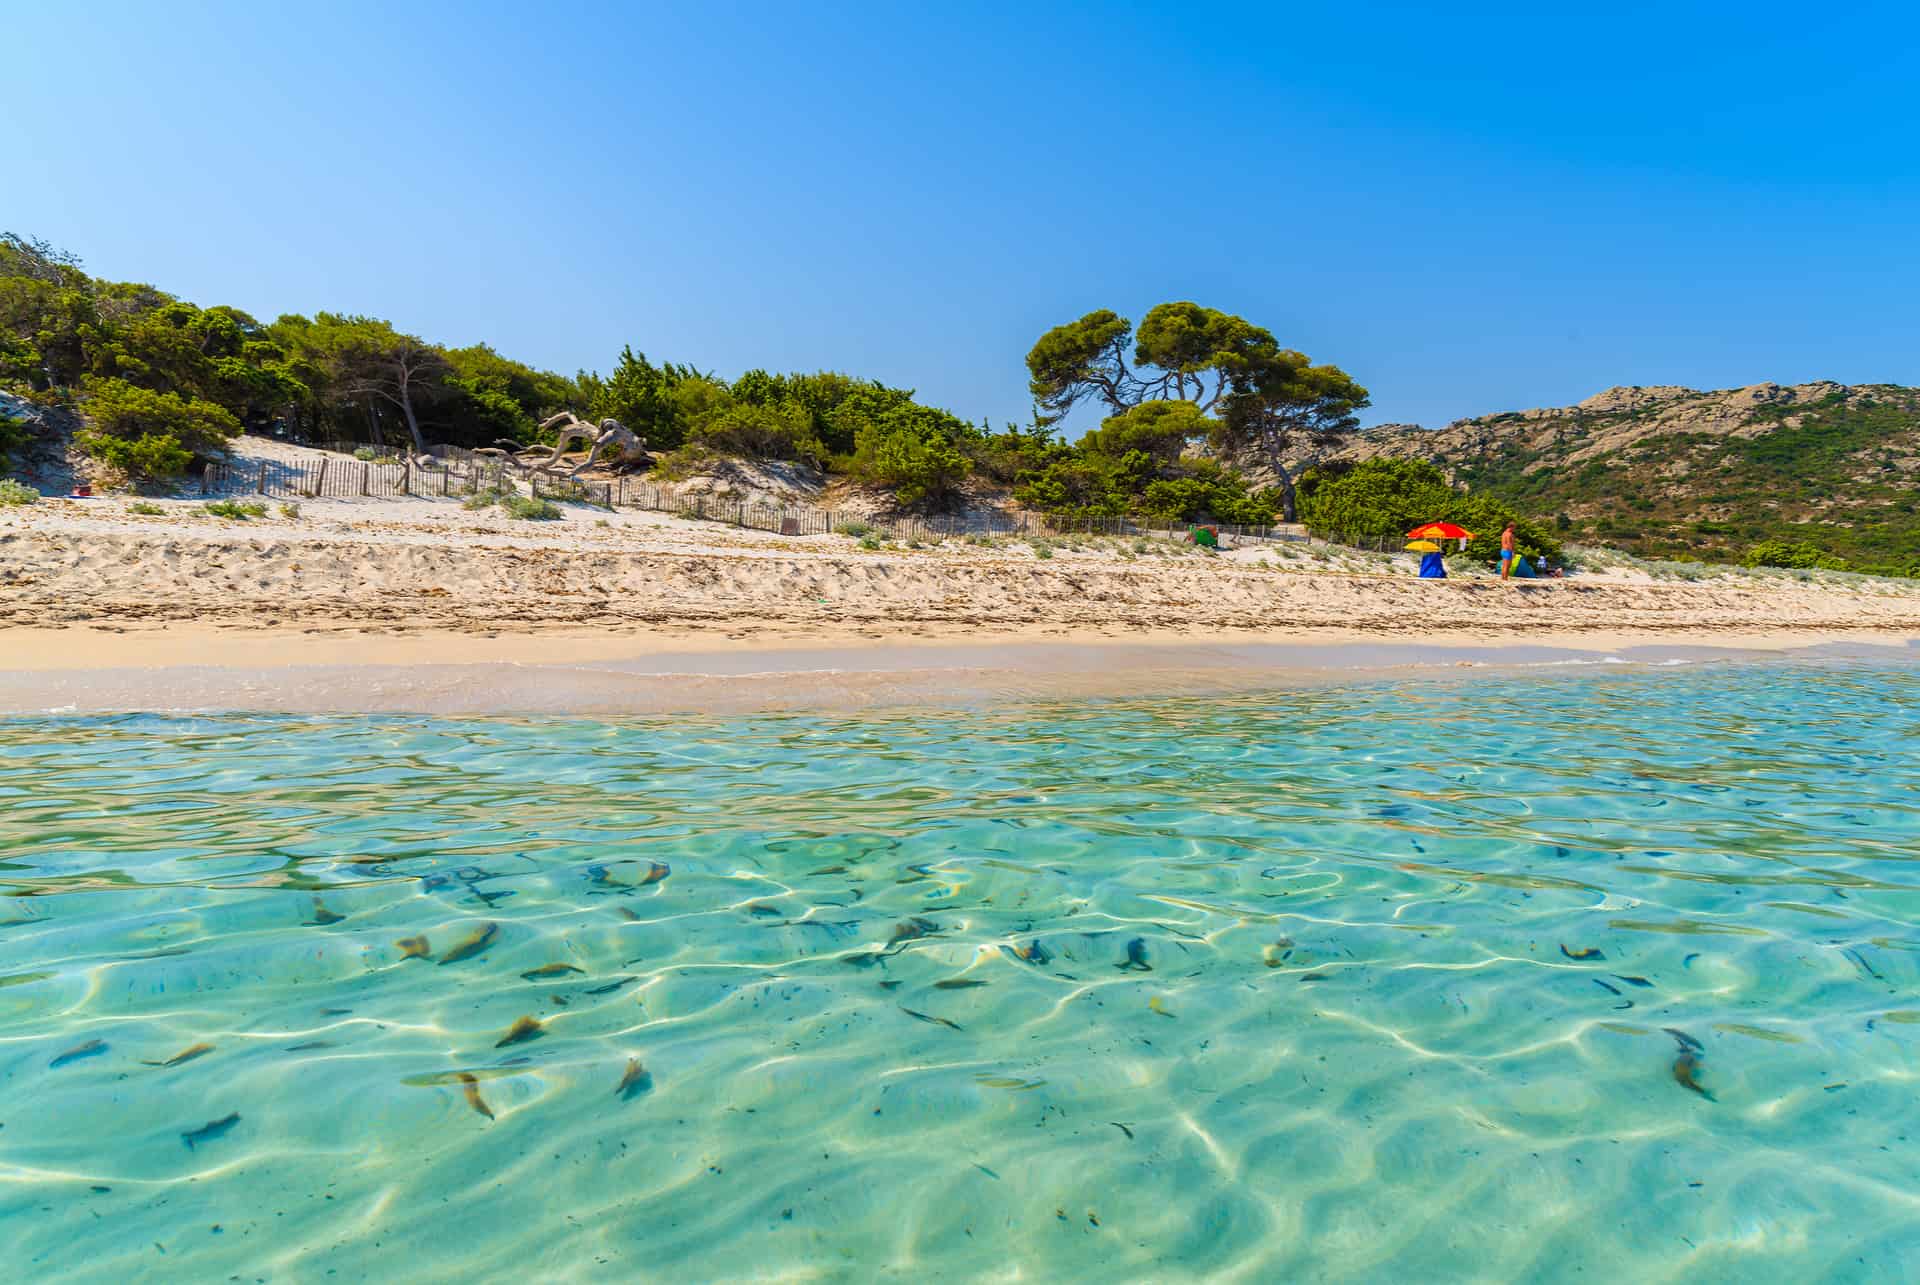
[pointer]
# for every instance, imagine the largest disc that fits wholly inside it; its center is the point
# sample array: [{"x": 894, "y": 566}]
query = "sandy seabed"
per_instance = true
[{"x": 421, "y": 605}]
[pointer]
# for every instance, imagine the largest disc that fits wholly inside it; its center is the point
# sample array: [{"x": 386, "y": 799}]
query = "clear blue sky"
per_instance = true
[{"x": 1470, "y": 208}]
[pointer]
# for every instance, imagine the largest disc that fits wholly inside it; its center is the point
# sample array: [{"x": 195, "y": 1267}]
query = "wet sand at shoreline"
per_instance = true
[{"x": 198, "y": 669}]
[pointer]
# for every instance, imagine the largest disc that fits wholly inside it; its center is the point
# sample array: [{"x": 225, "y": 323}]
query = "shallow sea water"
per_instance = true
[{"x": 1404, "y": 980}]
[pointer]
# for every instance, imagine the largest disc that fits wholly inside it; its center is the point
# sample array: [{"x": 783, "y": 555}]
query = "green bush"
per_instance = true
[
  {"x": 145, "y": 509},
  {"x": 365, "y": 454},
  {"x": 1383, "y": 499},
  {"x": 780, "y": 432},
  {"x": 484, "y": 499},
  {"x": 149, "y": 456},
  {"x": 1208, "y": 492},
  {"x": 238, "y": 511},
  {"x": 1082, "y": 485},
  {"x": 882, "y": 437},
  {"x": 14, "y": 493},
  {"x": 908, "y": 450},
  {"x": 870, "y": 542},
  {"x": 531, "y": 510},
  {"x": 1796, "y": 555},
  {"x": 1378, "y": 499},
  {"x": 289, "y": 510},
  {"x": 121, "y": 410},
  {"x": 855, "y": 529}
]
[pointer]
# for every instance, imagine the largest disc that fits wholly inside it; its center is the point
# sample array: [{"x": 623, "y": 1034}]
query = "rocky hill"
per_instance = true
[{"x": 1675, "y": 472}]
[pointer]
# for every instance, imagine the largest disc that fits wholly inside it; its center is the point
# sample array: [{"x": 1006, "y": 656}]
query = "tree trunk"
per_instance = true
[
  {"x": 1286, "y": 479},
  {"x": 413, "y": 424}
]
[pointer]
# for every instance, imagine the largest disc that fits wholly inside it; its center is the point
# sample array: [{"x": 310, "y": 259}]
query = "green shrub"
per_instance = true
[
  {"x": 1795, "y": 555},
  {"x": 1382, "y": 499},
  {"x": 909, "y": 448},
  {"x": 776, "y": 432},
  {"x": 238, "y": 511},
  {"x": 1209, "y": 492},
  {"x": 147, "y": 457},
  {"x": 1041, "y": 549},
  {"x": 870, "y": 542},
  {"x": 145, "y": 509},
  {"x": 855, "y": 529},
  {"x": 13, "y": 493},
  {"x": 289, "y": 510},
  {"x": 124, "y": 411},
  {"x": 365, "y": 454},
  {"x": 483, "y": 499},
  {"x": 531, "y": 510},
  {"x": 1376, "y": 499}
]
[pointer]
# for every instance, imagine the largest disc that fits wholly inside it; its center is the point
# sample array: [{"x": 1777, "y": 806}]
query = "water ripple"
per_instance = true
[{"x": 1398, "y": 979}]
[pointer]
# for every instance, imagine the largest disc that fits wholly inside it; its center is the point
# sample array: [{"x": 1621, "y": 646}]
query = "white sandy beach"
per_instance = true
[{"x": 420, "y": 603}]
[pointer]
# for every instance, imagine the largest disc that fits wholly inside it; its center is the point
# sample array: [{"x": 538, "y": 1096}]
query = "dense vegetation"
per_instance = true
[
  {"x": 1827, "y": 482},
  {"x": 1832, "y": 479},
  {"x": 1379, "y": 500},
  {"x": 162, "y": 382}
]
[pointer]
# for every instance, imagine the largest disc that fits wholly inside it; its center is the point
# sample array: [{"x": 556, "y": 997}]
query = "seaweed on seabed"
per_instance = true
[
  {"x": 472, "y": 944},
  {"x": 210, "y": 1130},
  {"x": 470, "y": 1084},
  {"x": 1032, "y": 953},
  {"x": 522, "y": 1030},
  {"x": 551, "y": 970},
  {"x": 185, "y": 1055},
  {"x": 635, "y": 1080},
  {"x": 1686, "y": 1063},
  {"x": 911, "y": 930}
]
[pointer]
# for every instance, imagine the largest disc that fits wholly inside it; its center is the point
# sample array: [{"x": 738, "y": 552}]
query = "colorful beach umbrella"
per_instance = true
[
  {"x": 1439, "y": 531},
  {"x": 1423, "y": 546}
]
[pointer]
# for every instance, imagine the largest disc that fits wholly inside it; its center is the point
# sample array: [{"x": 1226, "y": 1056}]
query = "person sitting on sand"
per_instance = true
[{"x": 1506, "y": 553}]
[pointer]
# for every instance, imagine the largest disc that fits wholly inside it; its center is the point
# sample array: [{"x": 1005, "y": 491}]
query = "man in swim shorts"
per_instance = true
[{"x": 1506, "y": 553}]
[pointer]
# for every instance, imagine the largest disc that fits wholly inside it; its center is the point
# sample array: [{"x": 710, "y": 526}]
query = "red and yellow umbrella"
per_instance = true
[{"x": 1439, "y": 531}]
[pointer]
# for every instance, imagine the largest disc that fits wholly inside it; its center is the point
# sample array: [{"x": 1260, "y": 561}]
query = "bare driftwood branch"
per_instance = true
[{"x": 611, "y": 433}]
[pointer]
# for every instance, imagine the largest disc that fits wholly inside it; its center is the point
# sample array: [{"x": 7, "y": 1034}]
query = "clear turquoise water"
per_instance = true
[{"x": 1353, "y": 1043}]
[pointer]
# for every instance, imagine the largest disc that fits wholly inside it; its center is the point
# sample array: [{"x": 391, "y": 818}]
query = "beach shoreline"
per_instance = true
[
  {"x": 572, "y": 673},
  {"x": 423, "y": 605}
]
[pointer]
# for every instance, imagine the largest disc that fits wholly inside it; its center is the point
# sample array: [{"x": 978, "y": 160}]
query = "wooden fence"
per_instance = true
[{"x": 453, "y": 473}]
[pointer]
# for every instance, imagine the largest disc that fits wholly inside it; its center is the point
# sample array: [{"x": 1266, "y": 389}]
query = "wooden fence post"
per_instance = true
[{"x": 366, "y": 472}]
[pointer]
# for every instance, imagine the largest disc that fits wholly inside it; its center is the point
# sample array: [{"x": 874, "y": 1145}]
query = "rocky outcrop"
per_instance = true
[{"x": 1679, "y": 470}]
